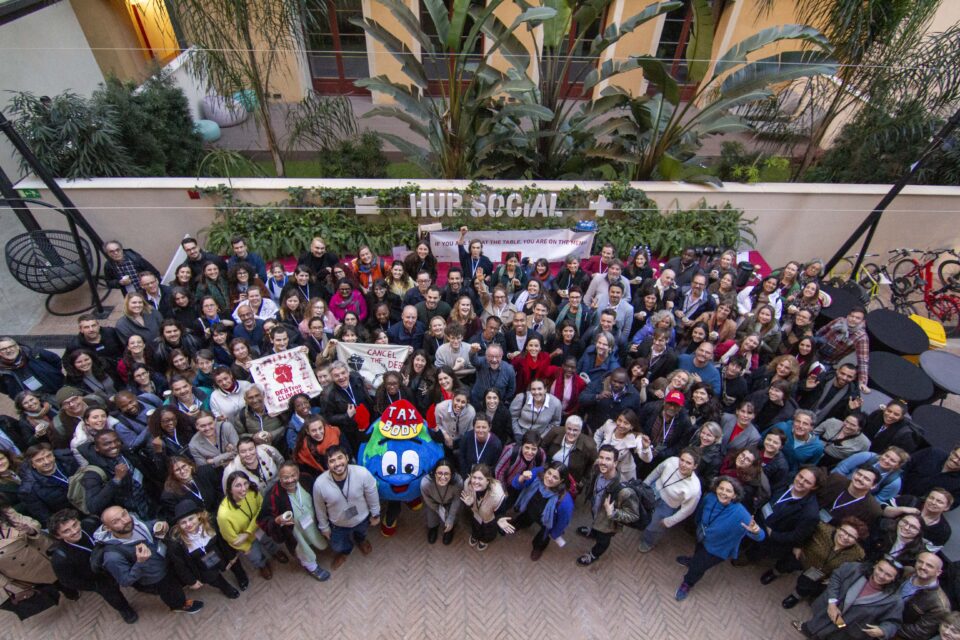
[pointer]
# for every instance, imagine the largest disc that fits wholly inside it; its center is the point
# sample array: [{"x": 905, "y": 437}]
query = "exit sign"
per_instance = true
[{"x": 29, "y": 193}]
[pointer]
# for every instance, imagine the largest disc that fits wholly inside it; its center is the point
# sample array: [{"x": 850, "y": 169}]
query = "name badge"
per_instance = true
[
  {"x": 32, "y": 384},
  {"x": 137, "y": 476},
  {"x": 210, "y": 560},
  {"x": 825, "y": 516},
  {"x": 767, "y": 510},
  {"x": 306, "y": 521},
  {"x": 350, "y": 512}
]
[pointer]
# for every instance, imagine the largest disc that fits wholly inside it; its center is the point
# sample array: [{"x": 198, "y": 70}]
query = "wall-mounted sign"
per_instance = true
[{"x": 436, "y": 204}]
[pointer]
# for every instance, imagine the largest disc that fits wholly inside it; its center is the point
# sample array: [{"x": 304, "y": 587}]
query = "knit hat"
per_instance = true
[
  {"x": 65, "y": 393},
  {"x": 675, "y": 397}
]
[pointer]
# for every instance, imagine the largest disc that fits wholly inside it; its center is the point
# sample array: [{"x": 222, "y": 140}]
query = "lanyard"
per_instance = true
[
  {"x": 349, "y": 392},
  {"x": 565, "y": 452},
  {"x": 259, "y": 420},
  {"x": 845, "y": 504},
  {"x": 476, "y": 445},
  {"x": 174, "y": 439},
  {"x": 296, "y": 495},
  {"x": 188, "y": 408},
  {"x": 667, "y": 483},
  {"x": 787, "y": 497},
  {"x": 473, "y": 267},
  {"x": 80, "y": 546},
  {"x": 59, "y": 475},
  {"x": 306, "y": 294},
  {"x": 715, "y": 513},
  {"x": 666, "y": 432},
  {"x": 345, "y": 489},
  {"x": 196, "y": 493},
  {"x": 535, "y": 415}
]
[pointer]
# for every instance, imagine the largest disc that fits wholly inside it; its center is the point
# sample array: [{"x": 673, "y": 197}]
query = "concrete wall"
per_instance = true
[
  {"x": 46, "y": 53},
  {"x": 794, "y": 221}
]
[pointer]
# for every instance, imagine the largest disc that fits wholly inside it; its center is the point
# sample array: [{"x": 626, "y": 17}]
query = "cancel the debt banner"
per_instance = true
[
  {"x": 282, "y": 376},
  {"x": 372, "y": 360}
]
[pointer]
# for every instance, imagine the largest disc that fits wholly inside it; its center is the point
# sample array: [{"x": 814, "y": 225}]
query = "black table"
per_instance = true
[
  {"x": 941, "y": 426},
  {"x": 842, "y": 302},
  {"x": 896, "y": 333},
  {"x": 944, "y": 369},
  {"x": 899, "y": 378}
]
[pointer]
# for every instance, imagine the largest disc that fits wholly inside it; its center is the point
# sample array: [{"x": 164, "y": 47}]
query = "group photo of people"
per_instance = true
[{"x": 605, "y": 400}]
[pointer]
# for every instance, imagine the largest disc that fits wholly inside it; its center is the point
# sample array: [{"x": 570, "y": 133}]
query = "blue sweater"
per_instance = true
[
  {"x": 564, "y": 512},
  {"x": 723, "y": 533},
  {"x": 889, "y": 486},
  {"x": 809, "y": 453},
  {"x": 709, "y": 374}
]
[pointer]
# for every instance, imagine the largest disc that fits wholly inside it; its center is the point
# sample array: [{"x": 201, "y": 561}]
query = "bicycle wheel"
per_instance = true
[
  {"x": 905, "y": 274},
  {"x": 947, "y": 311},
  {"x": 869, "y": 279},
  {"x": 901, "y": 305},
  {"x": 949, "y": 272},
  {"x": 841, "y": 271}
]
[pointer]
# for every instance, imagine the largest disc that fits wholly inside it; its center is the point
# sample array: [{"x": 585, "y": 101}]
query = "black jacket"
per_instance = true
[
  {"x": 112, "y": 275},
  {"x": 41, "y": 496},
  {"x": 109, "y": 349},
  {"x": 187, "y": 565},
  {"x": 207, "y": 483},
  {"x": 101, "y": 494},
  {"x": 335, "y": 409},
  {"x": 664, "y": 365},
  {"x": 510, "y": 342},
  {"x": 900, "y": 434},
  {"x": 71, "y": 564},
  {"x": 599, "y": 410},
  {"x": 792, "y": 521},
  {"x": 42, "y": 365}
]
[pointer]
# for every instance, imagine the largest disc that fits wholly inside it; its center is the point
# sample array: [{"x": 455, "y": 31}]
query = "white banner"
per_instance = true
[
  {"x": 553, "y": 244},
  {"x": 372, "y": 360},
  {"x": 282, "y": 376}
]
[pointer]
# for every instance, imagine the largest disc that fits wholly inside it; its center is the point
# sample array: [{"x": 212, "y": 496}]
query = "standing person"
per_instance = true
[
  {"x": 241, "y": 254},
  {"x": 103, "y": 341},
  {"x": 478, "y": 445},
  {"x": 722, "y": 524},
  {"x": 23, "y": 560},
  {"x": 924, "y": 602},
  {"x": 571, "y": 446},
  {"x": 259, "y": 462},
  {"x": 625, "y": 436},
  {"x": 25, "y": 369},
  {"x": 677, "y": 488},
  {"x": 237, "y": 521},
  {"x": 346, "y": 503},
  {"x": 485, "y": 497},
  {"x": 844, "y": 336},
  {"x": 288, "y": 516},
  {"x": 862, "y": 597},
  {"x": 200, "y": 555},
  {"x": 131, "y": 554},
  {"x": 611, "y": 506},
  {"x": 70, "y": 557},
  {"x": 545, "y": 500},
  {"x": 226, "y": 401},
  {"x": 139, "y": 318},
  {"x": 472, "y": 261},
  {"x": 440, "y": 490},
  {"x": 788, "y": 519},
  {"x": 123, "y": 267}
]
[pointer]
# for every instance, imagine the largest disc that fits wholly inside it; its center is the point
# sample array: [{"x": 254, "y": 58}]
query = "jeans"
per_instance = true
[
  {"x": 701, "y": 562},
  {"x": 656, "y": 529},
  {"x": 260, "y": 551},
  {"x": 343, "y": 538}
]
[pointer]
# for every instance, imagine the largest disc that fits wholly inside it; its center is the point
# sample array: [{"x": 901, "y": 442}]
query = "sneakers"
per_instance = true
[
  {"x": 586, "y": 559},
  {"x": 129, "y": 616},
  {"x": 473, "y": 541},
  {"x": 790, "y": 602},
  {"x": 644, "y": 547},
  {"x": 684, "y": 560},
  {"x": 320, "y": 574},
  {"x": 191, "y": 606},
  {"x": 682, "y": 592},
  {"x": 482, "y": 546}
]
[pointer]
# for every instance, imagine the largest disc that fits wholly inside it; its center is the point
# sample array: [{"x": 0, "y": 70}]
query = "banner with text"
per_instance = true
[
  {"x": 553, "y": 244},
  {"x": 282, "y": 376},
  {"x": 372, "y": 360}
]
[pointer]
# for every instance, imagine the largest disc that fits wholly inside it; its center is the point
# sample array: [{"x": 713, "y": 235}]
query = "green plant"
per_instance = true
[
  {"x": 329, "y": 212},
  {"x": 239, "y": 45},
  {"x": 73, "y": 137},
  {"x": 154, "y": 124},
  {"x": 356, "y": 157},
  {"x": 320, "y": 122},
  {"x": 658, "y": 134},
  {"x": 227, "y": 163},
  {"x": 476, "y": 117}
]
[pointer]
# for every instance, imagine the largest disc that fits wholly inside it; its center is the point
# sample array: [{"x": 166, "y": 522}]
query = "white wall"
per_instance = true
[
  {"x": 179, "y": 70},
  {"x": 44, "y": 52},
  {"x": 794, "y": 221}
]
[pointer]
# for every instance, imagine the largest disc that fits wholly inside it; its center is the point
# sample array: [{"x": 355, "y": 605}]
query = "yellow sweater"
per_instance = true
[{"x": 234, "y": 521}]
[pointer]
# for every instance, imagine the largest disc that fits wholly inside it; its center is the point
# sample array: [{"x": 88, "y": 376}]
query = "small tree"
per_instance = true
[{"x": 239, "y": 47}]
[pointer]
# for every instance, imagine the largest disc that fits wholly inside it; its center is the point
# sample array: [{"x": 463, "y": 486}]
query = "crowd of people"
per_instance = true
[{"x": 661, "y": 396}]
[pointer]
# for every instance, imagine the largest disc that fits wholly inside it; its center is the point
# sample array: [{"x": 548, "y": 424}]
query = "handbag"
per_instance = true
[{"x": 31, "y": 599}]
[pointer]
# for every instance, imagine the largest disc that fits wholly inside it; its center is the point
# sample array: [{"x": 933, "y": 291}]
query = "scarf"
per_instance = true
[{"x": 549, "y": 510}]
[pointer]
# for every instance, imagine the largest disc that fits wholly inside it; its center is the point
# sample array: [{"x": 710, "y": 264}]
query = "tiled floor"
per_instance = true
[{"x": 409, "y": 589}]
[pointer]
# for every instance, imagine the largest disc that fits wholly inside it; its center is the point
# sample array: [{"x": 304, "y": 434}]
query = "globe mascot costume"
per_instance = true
[{"x": 399, "y": 451}]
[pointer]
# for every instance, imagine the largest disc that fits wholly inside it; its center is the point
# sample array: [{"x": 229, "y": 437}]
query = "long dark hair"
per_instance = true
[
  {"x": 560, "y": 468},
  {"x": 229, "y": 484}
]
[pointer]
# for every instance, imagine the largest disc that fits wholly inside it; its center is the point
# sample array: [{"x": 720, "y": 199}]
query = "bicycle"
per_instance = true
[
  {"x": 910, "y": 274},
  {"x": 940, "y": 304}
]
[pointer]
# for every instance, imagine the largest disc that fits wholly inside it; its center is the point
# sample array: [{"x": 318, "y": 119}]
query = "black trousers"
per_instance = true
[
  {"x": 524, "y": 520},
  {"x": 168, "y": 589},
  {"x": 484, "y": 532},
  {"x": 601, "y": 542},
  {"x": 701, "y": 562}
]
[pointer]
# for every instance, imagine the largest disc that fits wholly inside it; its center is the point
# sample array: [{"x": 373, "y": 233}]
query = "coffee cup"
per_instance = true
[{"x": 288, "y": 516}]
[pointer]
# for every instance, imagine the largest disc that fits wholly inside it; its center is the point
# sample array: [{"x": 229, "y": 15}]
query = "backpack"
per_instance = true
[
  {"x": 646, "y": 499},
  {"x": 76, "y": 493}
]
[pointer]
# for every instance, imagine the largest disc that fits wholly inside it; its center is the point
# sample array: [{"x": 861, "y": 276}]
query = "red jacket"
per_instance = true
[{"x": 556, "y": 390}]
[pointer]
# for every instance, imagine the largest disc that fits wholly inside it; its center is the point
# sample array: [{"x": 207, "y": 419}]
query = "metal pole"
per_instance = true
[
  {"x": 16, "y": 203},
  {"x": 74, "y": 216},
  {"x": 870, "y": 223}
]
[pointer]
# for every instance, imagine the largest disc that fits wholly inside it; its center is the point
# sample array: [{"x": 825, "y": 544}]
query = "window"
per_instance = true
[
  {"x": 337, "y": 49},
  {"x": 437, "y": 65}
]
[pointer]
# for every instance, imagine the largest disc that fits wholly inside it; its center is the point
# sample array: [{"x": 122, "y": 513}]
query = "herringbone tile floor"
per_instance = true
[{"x": 408, "y": 589}]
